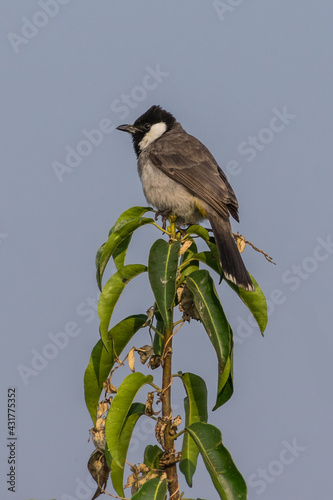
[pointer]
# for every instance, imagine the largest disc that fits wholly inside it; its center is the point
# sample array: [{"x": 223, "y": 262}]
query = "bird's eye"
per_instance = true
[{"x": 147, "y": 126}]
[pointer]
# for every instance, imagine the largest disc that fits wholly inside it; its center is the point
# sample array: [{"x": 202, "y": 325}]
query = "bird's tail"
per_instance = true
[{"x": 230, "y": 258}]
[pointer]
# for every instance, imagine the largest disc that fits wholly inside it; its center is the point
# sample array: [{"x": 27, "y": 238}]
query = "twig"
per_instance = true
[
  {"x": 175, "y": 493},
  {"x": 110, "y": 494},
  {"x": 131, "y": 465},
  {"x": 178, "y": 435},
  {"x": 169, "y": 339},
  {"x": 164, "y": 390},
  {"x": 267, "y": 257}
]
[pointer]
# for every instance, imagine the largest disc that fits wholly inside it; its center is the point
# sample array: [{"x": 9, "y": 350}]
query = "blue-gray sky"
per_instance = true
[{"x": 251, "y": 80}]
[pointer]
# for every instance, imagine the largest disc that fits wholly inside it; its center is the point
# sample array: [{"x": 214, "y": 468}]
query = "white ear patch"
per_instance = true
[{"x": 154, "y": 133}]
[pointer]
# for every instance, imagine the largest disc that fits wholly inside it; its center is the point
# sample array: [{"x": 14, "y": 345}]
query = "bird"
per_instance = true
[{"x": 180, "y": 176}]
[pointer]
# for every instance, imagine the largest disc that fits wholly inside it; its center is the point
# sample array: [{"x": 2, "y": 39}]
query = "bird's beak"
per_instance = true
[{"x": 131, "y": 129}]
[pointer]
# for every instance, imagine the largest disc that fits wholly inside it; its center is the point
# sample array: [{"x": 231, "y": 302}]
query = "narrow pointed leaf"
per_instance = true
[
  {"x": 196, "y": 391},
  {"x": 117, "y": 472},
  {"x": 152, "y": 456},
  {"x": 98, "y": 368},
  {"x": 126, "y": 224},
  {"x": 119, "y": 409},
  {"x": 226, "y": 478},
  {"x": 190, "y": 451},
  {"x": 154, "y": 489},
  {"x": 225, "y": 386},
  {"x": 255, "y": 301},
  {"x": 114, "y": 240},
  {"x": 119, "y": 335},
  {"x": 120, "y": 252},
  {"x": 162, "y": 272},
  {"x": 212, "y": 316},
  {"x": 195, "y": 411},
  {"x": 98, "y": 257},
  {"x": 199, "y": 231},
  {"x": 210, "y": 260},
  {"x": 108, "y": 457},
  {"x": 101, "y": 361},
  {"x": 111, "y": 293},
  {"x": 129, "y": 214}
]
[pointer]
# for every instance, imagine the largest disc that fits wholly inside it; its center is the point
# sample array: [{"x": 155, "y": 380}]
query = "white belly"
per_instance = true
[{"x": 166, "y": 194}]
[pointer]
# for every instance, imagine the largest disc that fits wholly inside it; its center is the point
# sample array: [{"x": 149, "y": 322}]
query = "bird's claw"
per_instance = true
[{"x": 164, "y": 214}]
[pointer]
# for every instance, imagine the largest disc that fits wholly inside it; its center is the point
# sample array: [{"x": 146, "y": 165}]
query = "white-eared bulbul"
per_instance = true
[{"x": 179, "y": 175}]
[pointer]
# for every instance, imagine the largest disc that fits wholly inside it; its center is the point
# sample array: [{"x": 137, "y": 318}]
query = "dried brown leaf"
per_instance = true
[
  {"x": 131, "y": 359},
  {"x": 185, "y": 246}
]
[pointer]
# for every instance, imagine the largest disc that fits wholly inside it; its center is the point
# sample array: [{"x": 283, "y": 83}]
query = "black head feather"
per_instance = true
[{"x": 142, "y": 125}]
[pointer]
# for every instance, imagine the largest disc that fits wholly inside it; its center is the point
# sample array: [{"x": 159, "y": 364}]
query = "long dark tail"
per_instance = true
[{"x": 230, "y": 258}]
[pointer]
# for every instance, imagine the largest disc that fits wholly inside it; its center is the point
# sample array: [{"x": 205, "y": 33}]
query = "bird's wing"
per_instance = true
[{"x": 186, "y": 160}]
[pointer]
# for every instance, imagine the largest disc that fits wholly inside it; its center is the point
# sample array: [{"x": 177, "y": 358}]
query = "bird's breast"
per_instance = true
[{"x": 166, "y": 194}]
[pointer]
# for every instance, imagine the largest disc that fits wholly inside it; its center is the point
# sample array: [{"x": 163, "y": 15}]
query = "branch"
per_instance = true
[{"x": 238, "y": 237}]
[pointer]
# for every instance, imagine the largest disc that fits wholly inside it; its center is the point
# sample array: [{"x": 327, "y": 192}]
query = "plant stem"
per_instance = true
[
  {"x": 173, "y": 227},
  {"x": 171, "y": 471}
]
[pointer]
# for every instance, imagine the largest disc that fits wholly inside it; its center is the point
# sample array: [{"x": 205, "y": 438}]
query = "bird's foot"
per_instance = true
[{"x": 165, "y": 215}]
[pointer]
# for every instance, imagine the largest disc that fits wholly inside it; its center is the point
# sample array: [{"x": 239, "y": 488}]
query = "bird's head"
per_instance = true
[{"x": 149, "y": 127}]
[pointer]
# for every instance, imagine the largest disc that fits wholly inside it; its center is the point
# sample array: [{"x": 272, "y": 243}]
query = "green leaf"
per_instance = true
[
  {"x": 210, "y": 260},
  {"x": 98, "y": 369},
  {"x": 195, "y": 411},
  {"x": 226, "y": 478},
  {"x": 152, "y": 456},
  {"x": 119, "y": 409},
  {"x": 108, "y": 457},
  {"x": 212, "y": 316},
  {"x": 117, "y": 471},
  {"x": 162, "y": 272},
  {"x": 98, "y": 257},
  {"x": 120, "y": 334},
  {"x": 225, "y": 386},
  {"x": 199, "y": 231},
  {"x": 101, "y": 361},
  {"x": 126, "y": 224},
  {"x": 120, "y": 252},
  {"x": 154, "y": 489},
  {"x": 111, "y": 293},
  {"x": 129, "y": 214},
  {"x": 255, "y": 301}
]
